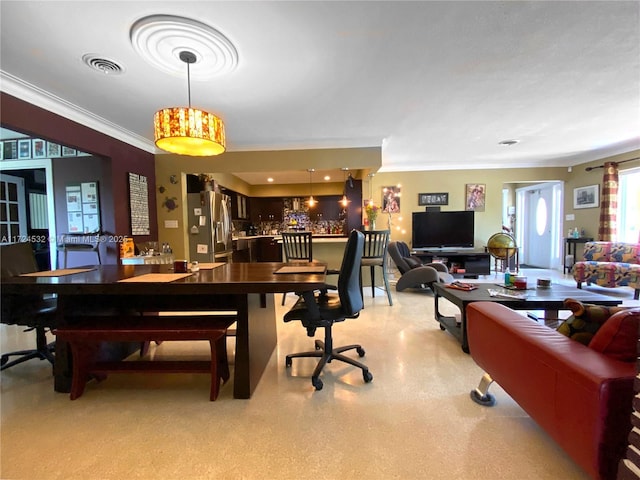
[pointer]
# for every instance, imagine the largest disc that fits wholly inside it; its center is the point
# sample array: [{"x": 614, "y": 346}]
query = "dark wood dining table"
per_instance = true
[{"x": 246, "y": 288}]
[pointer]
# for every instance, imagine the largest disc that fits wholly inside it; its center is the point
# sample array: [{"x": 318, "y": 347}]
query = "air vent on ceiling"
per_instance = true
[{"x": 101, "y": 64}]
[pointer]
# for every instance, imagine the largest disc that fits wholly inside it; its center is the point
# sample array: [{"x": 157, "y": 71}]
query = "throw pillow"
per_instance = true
[
  {"x": 586, "y": 319},
  {"x": 412, "y": 262},
  {"x": 618, "y": 337}
]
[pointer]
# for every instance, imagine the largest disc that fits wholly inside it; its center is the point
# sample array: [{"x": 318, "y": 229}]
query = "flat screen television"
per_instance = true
[{"x": 443, "y": 230}]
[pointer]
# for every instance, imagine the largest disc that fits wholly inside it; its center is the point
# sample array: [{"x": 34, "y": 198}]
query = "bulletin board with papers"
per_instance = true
[{"x": 83, "y": 208}]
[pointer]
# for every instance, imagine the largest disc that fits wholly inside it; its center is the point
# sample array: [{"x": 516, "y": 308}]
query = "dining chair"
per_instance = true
[
  {"x": 322, "y": 311},
  {"x": 71, "y": 242},
  {"x": 34, "y": 312},
  {"x": 298, "y": 246},
  {"x": 374, "y": 255}
]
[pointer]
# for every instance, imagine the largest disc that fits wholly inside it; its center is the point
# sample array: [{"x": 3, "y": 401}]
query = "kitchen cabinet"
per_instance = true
[
  {"x": 354, "y": 209},
  {"x": 327, "y": 208},
  {"x": 244, "y": 250},
  {"x": 257, "y": 249},
  {"x": 268, "y": 250},
  {"x": 266, "y": 209},
  {"x": 239, "y": 205}
]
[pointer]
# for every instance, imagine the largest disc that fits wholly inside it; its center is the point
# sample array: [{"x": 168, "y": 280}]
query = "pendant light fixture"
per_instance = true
[
  {"x": 345, "y": 200},
  {"x": 312, "y": 201},
  {"x": 186, "y": 130}
]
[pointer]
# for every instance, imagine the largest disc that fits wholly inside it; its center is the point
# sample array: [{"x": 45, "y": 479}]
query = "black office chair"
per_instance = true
[
  {"x": 325, "y": 310},
  {"x": 37, "y": 313},
  {"x": 375, "y": 255}
]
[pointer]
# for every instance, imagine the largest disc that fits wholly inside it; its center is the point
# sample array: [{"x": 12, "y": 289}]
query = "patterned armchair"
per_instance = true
[{"x": 610, "y": 264}]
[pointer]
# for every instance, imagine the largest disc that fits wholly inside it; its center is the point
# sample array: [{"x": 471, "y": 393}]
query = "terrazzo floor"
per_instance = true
[{"x": 414, "y": 421}]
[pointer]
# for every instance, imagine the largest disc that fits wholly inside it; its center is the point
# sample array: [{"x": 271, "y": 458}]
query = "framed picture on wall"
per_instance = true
[
  {"x": 586, "y": 197},
  {"x": 10, "y": 149},
  {"x": 433, "y": 199},
  {"x": 38, "y": 148},
  {"x": 24, "y": 148},
  {"x": 68, "y": 151},
  {"x": 475, "y": 196},
  {"x": 391, "y": 199},
  {"x": 53, "y": 150}
]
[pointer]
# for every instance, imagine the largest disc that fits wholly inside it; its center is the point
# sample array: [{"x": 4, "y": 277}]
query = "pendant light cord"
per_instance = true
[
  {"x": 188, "y": 58},
  {"x": 189, "y": 83}
]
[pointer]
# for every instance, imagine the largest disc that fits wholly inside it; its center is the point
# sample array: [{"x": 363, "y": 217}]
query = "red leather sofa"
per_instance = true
[{"x": 580, "y": 397}]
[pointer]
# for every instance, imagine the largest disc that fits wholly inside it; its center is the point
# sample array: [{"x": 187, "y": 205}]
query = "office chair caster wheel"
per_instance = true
[
  {"x": 317, "y": 383},
  {"x": 367, "y": 376},
  {"x": 442, "y": 327},
  {"x": 360, "y": 351},
  {"x": 4, "y": 360},
  {"x": 287, "y": 362}
]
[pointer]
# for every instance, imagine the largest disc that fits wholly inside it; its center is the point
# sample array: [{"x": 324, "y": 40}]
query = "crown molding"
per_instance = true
[{"x": 36, "y": 96}]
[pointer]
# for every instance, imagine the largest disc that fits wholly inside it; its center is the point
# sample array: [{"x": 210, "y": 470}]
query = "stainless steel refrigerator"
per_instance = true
[{"x": 209, "y": 227}]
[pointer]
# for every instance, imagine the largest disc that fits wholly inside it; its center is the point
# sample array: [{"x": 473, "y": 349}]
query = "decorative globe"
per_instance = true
[{"x": 501, "y": 246}]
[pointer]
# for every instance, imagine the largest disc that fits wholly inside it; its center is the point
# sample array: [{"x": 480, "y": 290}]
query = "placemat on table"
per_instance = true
[
  {"x": 57, "y": 273},
  {"x": 302, "y": 269},
  {"x": 156, "y": 277},
  {"x": 210, "y": 266}
]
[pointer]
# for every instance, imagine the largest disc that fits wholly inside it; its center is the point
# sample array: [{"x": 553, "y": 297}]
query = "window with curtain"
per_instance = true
[{"x": 629, "y": 206}]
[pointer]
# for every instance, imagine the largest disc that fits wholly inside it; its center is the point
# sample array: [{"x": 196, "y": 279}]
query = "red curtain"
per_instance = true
[{"x": 608, "y": 228}]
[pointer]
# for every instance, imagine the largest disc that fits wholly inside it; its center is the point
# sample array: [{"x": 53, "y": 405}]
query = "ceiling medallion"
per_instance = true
[{"x": 159, "y": 39}]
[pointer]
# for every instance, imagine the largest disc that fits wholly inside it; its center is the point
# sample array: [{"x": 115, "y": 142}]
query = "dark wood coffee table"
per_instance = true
[{"x": 549, "y": 300}]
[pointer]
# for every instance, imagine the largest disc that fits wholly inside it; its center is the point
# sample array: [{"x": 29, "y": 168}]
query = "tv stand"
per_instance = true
[{"x": 460, "y": 264}]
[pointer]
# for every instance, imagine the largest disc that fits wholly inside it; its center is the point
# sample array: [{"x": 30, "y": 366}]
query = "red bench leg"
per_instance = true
[
  {"x": 219, "y": 364},
  {"x": 82, "y": 355},
  {"x": 223, "y": 360}
]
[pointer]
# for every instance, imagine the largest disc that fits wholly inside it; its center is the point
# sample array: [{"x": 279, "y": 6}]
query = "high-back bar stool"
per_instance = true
[{"x": 376, "y": 243}]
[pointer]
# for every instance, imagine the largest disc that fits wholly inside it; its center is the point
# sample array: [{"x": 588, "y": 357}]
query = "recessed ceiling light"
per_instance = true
[
  {"x": 327, "y": 178},
  {"x": 508, "y": 143},
  {"x": 270, "y": 180}
]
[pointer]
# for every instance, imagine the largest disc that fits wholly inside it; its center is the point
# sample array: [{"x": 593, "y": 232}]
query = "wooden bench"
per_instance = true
[{"x": 86, "y": 334}]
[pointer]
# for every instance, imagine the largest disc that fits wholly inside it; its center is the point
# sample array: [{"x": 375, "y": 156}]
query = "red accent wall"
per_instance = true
[{"x": 119, "y": 158}]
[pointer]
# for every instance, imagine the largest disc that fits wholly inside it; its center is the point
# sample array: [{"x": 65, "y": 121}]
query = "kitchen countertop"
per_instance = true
[{"x": 318, "y": 237}]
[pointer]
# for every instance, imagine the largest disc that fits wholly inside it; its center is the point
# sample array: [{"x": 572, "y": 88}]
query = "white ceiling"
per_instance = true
[{"x": 437, "y": 84}]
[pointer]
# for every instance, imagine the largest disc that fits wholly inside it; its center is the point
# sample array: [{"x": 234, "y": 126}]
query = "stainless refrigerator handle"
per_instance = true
[{"x": 226, "y": 227}]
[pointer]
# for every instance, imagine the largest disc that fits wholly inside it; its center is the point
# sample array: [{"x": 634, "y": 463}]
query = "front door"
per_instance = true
[{"x": 541, "y": 226}]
